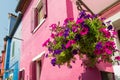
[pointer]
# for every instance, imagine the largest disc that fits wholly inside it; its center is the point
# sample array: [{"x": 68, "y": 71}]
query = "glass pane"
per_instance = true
[
  {"x": 41, "y": 15},
  {"x": 107, "y": 76}
]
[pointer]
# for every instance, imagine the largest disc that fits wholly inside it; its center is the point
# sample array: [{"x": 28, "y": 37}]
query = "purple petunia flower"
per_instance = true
[
  {"x": 109, "y": 27},
  {"x": 74, "y": 52},
  {"x": 49, "y": 49},
  {"x": 53, "y": 61},
  {"x": 83, "y": 23},
  {"x": 63, "y": 47},
  {"x": 87, "y": 16},
  {"x": 57, "y": 51},
  {"x": 46, "y": 55},
  {"x": 95, "y": 16},
  {"x": 82, "y": 14},
  {"x": 85, "y": 26},
  {"x": 108, "y": 22},
  {"x": 99, "y": 45},
  {"x": 66, "y": 33},
  {"x": 77, "y": 37},
  {"x": 98, "y": 48},
  {"x": 67, "y": 29}
]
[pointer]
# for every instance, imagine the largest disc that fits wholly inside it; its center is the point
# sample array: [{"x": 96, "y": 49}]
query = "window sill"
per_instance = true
[{"x": 39, "y": 25}]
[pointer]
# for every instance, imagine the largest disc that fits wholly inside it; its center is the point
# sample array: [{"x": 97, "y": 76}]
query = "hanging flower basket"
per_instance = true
[{"x": 87, "y": 36}]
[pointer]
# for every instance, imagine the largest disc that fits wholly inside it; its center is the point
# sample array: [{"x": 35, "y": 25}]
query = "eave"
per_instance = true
[
  {"x": 114, "y": 5},
  {"x": 22, "y": 6},
  {"x": 110, "y": 11}
]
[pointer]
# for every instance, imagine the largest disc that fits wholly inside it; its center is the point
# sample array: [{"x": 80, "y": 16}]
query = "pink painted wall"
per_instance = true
[{"x": 32, "y": 44}]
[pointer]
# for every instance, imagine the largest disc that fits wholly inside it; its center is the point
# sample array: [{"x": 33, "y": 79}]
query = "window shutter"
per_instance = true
[
  {"x": 23, "y": 75},
  {"x": 30, "y": 71},
  {"x": 34, "y": 19},
  {"x": 20, "y": 75},
  {"x": 33, "y": 70}
]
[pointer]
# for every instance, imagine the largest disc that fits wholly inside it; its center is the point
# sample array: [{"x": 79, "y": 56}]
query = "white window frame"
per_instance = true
[
  {"x": 38, "y": 56},
  {"x": 39, "y": 25}
]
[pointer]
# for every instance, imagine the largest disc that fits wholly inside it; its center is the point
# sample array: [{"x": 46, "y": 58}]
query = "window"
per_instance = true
[
  {"x": 21, "y": 75},
  {"x": 107, "y": 76},
  {"x": 36, "y": 67},
  {"x": 13, "y": 49},
  {"x": 39, "y": 14},
  {"x": 35, "y": 70}
]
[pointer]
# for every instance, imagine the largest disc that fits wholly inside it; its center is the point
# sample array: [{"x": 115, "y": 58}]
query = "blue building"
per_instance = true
[{"x": 13, "y": 48}]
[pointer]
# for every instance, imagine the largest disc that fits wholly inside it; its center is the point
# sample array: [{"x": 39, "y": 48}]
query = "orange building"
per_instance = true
[{"x": 2, "y": 60}]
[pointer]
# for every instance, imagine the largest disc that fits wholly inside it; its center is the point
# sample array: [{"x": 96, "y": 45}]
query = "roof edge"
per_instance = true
[
  {"x": 22, "y": 6},
  {"x": 18, "y": 5}
]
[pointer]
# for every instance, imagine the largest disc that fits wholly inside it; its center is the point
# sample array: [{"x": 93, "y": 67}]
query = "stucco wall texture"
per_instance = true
[{"x": 57, "y": 10}]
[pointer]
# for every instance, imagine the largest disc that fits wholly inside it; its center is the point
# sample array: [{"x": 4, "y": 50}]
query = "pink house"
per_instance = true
[{"x": 38, "y": 15}]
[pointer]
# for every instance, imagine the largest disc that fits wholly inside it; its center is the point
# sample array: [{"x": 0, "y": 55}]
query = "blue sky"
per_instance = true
[{"x": 6, "y": 6}]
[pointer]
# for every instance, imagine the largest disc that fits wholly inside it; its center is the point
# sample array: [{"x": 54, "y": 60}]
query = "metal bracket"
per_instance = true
[{"x": 82, "y": 6}]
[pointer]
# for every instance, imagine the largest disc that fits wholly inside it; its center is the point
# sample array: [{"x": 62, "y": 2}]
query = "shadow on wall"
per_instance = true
[
  {"x": 96, "y": 74},
  {"x": 90, "y": 74}
]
